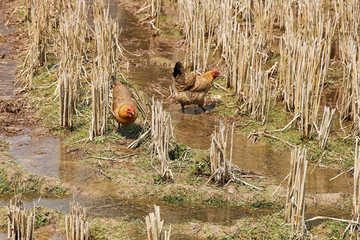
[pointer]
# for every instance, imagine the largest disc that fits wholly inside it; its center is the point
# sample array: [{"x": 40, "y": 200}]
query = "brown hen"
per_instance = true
[
  {"x": 190, "y": 88},
  {"x": 124, "y": 105}
]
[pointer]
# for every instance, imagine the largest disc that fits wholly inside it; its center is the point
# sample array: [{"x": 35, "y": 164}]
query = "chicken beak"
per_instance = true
[{"x": 132, "y": 113}]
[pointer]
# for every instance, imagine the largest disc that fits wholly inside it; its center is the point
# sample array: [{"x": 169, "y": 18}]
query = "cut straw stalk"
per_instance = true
[
  {"x": 350, "y": 90},
  {"x": 76, "y": 223},
  {"x": 20, "y": 224},
  {"x": 107, "y": 53},
  {"x": 154, "y": 226},
  {"x": 323, "y": 132},
  {"x": 303, "y": 72},
  {"x": 161, "y": 134},
  {"x": 295, "y": 199},
  {"x": 72, "y": 34},
  {"x": 220, "y": 160}
]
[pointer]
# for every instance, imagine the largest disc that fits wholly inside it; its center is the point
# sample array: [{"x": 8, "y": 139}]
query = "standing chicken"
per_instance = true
[
  {"x": 191, "y": 89},
  {"x": 124, "y": 105}
]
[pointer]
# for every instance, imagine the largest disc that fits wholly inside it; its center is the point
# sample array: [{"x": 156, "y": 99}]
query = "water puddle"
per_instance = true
[{"x": 47, "y": 156}]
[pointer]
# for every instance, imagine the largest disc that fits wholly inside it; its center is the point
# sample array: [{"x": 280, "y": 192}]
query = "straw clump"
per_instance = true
[
  {"x": 106, "y": 64},
  {"x": 161, "y": 134},
  {"x": 220, "y": 159},
  {"x": 154, "y": 226},
  {"x": 76, "y": 223},
  {"x": 295, "y": 198},
  {"x": 72, "y": 34},
  {"x": 20, "y": 224}
]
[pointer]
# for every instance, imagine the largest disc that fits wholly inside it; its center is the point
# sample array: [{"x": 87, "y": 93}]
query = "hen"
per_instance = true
[
  {"x": 124, "y": 105},
  {"x": 190, "y": 88}
]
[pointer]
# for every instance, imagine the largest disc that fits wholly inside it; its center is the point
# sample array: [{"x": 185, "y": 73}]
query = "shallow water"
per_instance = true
[{"x": 47, "y": 156}]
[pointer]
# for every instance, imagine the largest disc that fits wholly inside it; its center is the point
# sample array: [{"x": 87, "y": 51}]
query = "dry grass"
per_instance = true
[
  {"x": 304, "y": 65},
  {"x": 39, "y": 28},
  {"x": 350, "y": 91},
  {"x": 59, "y": 28},
  {"x": 71, "y": 51}
]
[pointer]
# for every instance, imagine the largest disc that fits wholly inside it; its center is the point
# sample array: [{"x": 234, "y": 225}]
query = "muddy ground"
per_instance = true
[{"x": 133, "y": 177}]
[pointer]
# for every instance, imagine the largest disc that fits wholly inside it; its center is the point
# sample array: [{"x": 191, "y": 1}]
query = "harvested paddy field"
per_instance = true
[{"x": 264, "y": 145}]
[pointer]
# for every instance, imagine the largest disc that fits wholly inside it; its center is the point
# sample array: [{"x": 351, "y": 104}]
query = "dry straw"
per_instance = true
[
  {"x": 323, "y": 132},
  {"x": 106, "y": 65},
  {"x": 72, "y": 34},
  {"x": 304, "y": 65},
  {"x": 161, "y": 134},
  {"x": 154, "y": 226},
  {"x": 348, "y": 52},
  {"x": 76, "y": 223},
  {"x": 198, "y": 26},
  {"x": 295, "y": 199},
  {"x": 350, "y": 90},
  {"x": 356, "y": 191},
  {"x": 220, "y": 159},
  {"x": 20, "y": 224},
  {"x": 39, "y": 12}
]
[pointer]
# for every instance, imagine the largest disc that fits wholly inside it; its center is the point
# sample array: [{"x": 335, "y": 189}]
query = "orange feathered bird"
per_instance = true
[
  {"x": 124, "y": 105},
  {"x": 191, "y": 88}
]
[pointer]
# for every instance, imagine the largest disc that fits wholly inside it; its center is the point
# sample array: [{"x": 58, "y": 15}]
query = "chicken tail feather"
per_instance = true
[{"x": 178, "y": 69}]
